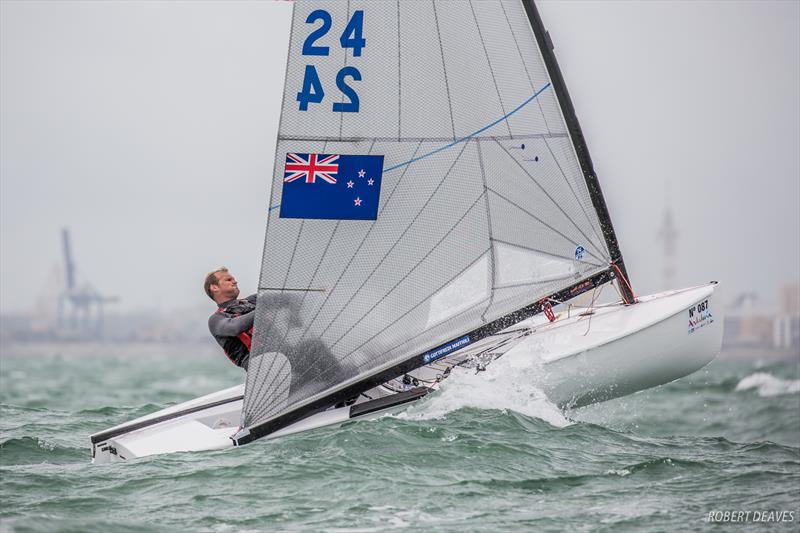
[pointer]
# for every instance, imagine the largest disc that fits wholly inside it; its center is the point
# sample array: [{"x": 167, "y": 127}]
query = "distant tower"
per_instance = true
[
  {"x": 668, "y": 236},
  {"x": 80, "y": 307}
]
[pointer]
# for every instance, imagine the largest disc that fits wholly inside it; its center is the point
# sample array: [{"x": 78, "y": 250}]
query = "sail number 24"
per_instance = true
[{"x": 352, "y": 37}]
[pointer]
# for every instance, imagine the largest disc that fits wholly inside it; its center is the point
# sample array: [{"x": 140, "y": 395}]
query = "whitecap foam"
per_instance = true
[
  {"x": 507, "y": 384},
  {"x": 769, "y": 385}
]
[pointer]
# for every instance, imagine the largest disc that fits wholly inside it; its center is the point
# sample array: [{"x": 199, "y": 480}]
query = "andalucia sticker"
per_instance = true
[{"x": 700, "y": 316}]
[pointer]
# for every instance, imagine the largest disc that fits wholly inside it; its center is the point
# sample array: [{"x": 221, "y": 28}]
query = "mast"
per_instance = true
[{"x": 581, "y": 149}]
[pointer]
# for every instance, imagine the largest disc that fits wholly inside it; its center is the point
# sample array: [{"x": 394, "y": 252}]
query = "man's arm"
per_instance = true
[
  {"x": 252, "y": 298},
  {"x": 224, "y": 326}
]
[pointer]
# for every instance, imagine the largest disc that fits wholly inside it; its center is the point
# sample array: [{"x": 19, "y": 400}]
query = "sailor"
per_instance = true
[
  {"x": 232, "y": 322},
  {"x": 232, "y": 327}
]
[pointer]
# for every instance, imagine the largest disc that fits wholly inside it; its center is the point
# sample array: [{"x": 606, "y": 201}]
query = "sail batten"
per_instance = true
[
  {"x": 480, "y": 207},
  {"x": 505, "y": 137}
]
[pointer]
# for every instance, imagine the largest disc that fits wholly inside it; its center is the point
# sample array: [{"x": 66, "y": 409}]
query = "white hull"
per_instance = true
[{"x": 615, "y": 351}]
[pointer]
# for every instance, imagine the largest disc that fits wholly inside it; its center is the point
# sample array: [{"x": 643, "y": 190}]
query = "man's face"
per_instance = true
[{"x": 228, "y": 288}]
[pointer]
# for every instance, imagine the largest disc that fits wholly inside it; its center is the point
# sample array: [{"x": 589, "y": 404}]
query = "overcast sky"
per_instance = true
[{"x": 149, "y": 129}]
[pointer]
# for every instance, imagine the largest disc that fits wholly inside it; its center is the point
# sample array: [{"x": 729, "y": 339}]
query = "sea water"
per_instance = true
[{"x": 720, "y": 448}]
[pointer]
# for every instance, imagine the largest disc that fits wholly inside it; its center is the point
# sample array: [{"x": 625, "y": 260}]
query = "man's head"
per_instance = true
[{"x": 221, "y": 286}]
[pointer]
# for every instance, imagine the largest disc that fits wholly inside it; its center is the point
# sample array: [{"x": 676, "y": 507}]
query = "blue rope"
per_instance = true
[{"x": 463, "y": 139}]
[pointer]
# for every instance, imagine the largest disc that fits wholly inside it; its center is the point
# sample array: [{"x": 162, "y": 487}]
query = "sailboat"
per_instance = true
[{"x": 433, "y": 206}]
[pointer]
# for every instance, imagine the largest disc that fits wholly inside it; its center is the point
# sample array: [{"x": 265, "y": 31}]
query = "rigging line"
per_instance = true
[
  {"x": 473, "y": 134},
  {"x": 621, "y": 276},
  {"x": 420, "y": 262},
  {"x": 619, "y": 292},
  {"x": 356, "y": 252},
  {"x": 444, "y": 68},
  {"x": 524, "y": 65},
  {"x": 489, "y": 63},
  {"x": 542, "y": 222},
  {"x": 595, "y": 295},
  {"x": 400, "y": 238},
  {"x": 580, "y": 203},
  {"x": 558, "y": 206}
]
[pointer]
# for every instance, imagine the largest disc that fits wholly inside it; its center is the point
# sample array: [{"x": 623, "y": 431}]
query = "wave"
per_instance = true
[
  {"x": 768, "y": 385},
  {"x": 33, "y": 450},
  {"x": 506, "y": 384}
]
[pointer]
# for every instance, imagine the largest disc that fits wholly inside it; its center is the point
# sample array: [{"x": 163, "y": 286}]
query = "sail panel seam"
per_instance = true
[
  {"x": 580, "y": 203},
  {"x": 491, "y": 70},
  {"x": 341, "y": 98},
  {"x": 543, "y": 252},
  {"x": 399, "y": 80},
  {"x": 422, "y": 260},
  {"x": 548, "y": 226},
  {"x": 400, "y": 238},
  {"x": 517, "y": 136},
  {"x": 524, "y": 64},
  {"x": 255, "y": 404},
  {"x": 444, "y": 68},
  {"x": 556, "y": 204},
  {"x": 492, "y": 259},
  {"x": 259, "y": 409},
  {"x": 446, "y": 283}
]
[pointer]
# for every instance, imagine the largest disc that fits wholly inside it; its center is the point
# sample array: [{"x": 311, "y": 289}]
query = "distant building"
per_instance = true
[
  {"x": 752, "y": 329},
  {"x": 786, "y": 328}
]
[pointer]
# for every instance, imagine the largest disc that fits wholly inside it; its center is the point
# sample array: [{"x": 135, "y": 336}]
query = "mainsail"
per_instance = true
[{"x": 431, "y": 187}]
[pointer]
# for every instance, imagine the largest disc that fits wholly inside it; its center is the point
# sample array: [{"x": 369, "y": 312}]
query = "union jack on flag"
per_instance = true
[{"x": 309, "y": 167}]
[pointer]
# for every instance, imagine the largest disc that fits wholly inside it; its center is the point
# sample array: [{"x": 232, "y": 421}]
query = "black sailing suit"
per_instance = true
[{"x": 232, "y": 327}]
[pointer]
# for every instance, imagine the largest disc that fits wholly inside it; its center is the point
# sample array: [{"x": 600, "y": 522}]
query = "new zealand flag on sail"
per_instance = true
[{"x": 330, "y": 186}]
